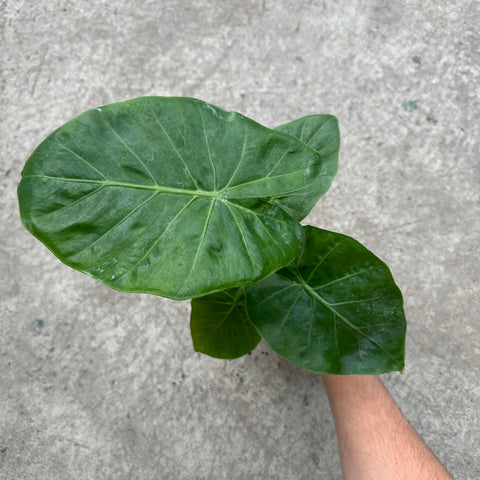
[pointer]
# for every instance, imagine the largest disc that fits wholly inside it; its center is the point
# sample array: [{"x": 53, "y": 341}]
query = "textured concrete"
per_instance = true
[{"x": 98, "y": 384}]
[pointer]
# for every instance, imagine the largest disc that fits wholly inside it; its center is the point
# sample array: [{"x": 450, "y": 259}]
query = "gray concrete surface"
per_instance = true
[{"x": 98, "y": 384}]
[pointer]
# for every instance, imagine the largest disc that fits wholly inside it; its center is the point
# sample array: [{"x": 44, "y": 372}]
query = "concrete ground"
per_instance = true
[{"x": 96, "y": 384}]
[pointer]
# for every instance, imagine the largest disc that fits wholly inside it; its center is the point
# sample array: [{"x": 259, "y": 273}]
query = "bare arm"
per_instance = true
[{"x": 375, "y": 439}]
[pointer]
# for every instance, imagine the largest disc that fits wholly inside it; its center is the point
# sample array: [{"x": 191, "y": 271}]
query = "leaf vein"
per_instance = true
[
  {"x": 200, "y": 244},
  {"x": 219, "y": 324},
  {"x": 345, "y": 278},
  {"x": 78, "y": 200},
  {"x": 214, "y": 173},
  {"x": 122, "y": 141},
  {"x": 256, "y": 215},
  {"x": 278, "y": 292},
  {"x": 322, "y": 260},
  {"x": 80, "y": 158},
  {"x": 242, "y": 236},
  {"x": 288, "y": 313},
  {"x": 356, "y": 301},
  {"x": 242, "y": 155},
  {"x": 318, "y": 131},
  {"x": 174, "y": 147},
  {"x": 157, "y": 241},
  {"x": 276, "y": 165},
  {"x": 138, "y": 207},
  {"x": 238, "y": 185}
]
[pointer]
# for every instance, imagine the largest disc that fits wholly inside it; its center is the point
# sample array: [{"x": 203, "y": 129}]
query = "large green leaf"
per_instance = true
[
  {"x": 171, "y": 196},
  {"x": 335, "y": 310},
  {"x": 220, "y": 325},
  {"x": 321, "y": 133}
]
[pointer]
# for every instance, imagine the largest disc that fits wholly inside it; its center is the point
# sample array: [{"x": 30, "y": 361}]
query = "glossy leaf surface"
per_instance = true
[
  {"x": 171, "y": 196},
  {"x": 321, "y": 133},
  {"x": 220, "y": 325},
  {"x": 335, "y": 310}
]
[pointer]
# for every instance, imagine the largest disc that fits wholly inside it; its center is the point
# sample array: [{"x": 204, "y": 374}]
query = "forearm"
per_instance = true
[{"x": 375, "y": 439}]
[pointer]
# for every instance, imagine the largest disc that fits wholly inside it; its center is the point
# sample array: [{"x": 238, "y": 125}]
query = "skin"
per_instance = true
[{"x": 375, "y": 439}]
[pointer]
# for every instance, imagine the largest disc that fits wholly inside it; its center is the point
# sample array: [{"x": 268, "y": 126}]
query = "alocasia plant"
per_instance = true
[{"x": 180, "y": 198}]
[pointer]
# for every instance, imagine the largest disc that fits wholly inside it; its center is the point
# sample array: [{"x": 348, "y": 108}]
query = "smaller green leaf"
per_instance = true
[
  {"x": 220, "y": 325},
  {"x": 335, "y": 310},
  {"x": 320, "y": 133}
]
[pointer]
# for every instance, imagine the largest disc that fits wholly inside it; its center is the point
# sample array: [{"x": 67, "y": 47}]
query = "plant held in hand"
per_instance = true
[{"x": 180, "y": 198}]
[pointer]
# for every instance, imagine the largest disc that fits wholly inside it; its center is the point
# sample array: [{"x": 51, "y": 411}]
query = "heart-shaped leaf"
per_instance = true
[
  {"x": 220, "y": 325},
  {"x": 335, "y": 310},
  {"x": 171, "y": 196}
]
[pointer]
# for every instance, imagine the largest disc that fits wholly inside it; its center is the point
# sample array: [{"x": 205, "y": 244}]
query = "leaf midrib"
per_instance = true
[
  {"x": 155, "y": 188},
  {"x": 217, "y": 194}
]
